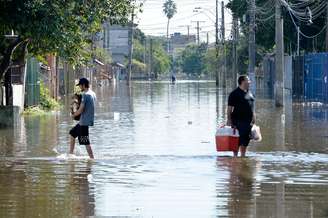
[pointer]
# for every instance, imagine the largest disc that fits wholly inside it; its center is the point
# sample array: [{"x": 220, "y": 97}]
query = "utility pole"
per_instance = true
[
  {"x": 188, "y": 27},
  {"x": 298, "y": 40},
  {"x": 327, "y": 27},
  {"x": 145, "y": 53},
  {"x": 235, "y": 30},
  {"x": 279, "y": 83},
  {"x": 217, "y": 42},
  {"x": 207, "y": 38},
  {"x": 251, "y": 47},
  {"x": 224, "y": 76},
  {"x": 222, "y": 22},
  {"x": 198, "y": 32},
  {"x": 131, "y": 47},
  {"x": 198, "y": 29},
  {"x": 151, "y": 57}
]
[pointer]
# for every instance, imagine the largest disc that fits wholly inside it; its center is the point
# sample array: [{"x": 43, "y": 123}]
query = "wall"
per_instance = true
[{"x": 9, "y": 116}]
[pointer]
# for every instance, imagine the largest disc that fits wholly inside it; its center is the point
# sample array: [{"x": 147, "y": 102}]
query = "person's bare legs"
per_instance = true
[
  {"x": 235, "y": 153},
  {"x": 72, "y": 144},
  {"x": 89, "y": 150},
  {"x": 243, "y": 151}
]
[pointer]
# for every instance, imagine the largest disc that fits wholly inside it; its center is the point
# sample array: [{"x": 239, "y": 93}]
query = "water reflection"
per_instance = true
[
  {"x": 83, "y": 200},
  {"x": 240, "y": 186},
  {"x": 43, "y": 188}
]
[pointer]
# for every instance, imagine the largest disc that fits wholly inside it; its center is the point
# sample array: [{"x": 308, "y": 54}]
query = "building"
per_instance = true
[
  {"x": 116, "y": 42},
  {"x": 179, "y": 41}
]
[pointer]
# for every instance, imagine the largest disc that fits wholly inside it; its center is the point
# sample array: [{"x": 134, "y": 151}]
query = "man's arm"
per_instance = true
[
  {"x": 254, "y": 118},
  {"x": 229, "y": 112},
  {"x": 79, "y": 111}
]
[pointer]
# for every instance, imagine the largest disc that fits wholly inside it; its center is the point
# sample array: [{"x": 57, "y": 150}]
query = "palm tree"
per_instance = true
[{"x": 169, "y": 9}]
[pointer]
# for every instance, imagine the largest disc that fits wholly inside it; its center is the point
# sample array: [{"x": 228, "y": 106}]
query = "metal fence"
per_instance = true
[
  {"x": 306, "y": 77},
  {"x": 32, "y": 88},
  {"x": 315, "y": 77}
]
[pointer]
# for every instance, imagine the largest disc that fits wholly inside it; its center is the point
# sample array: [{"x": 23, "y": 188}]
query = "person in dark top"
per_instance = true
[{"x": 241, "y": 113}]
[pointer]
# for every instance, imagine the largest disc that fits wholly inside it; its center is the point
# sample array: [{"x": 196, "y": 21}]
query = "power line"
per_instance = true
[{"x": 303, "y": 34}]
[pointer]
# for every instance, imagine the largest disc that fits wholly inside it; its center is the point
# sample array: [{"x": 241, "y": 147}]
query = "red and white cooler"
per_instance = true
[{"x": 227, "y": 139}]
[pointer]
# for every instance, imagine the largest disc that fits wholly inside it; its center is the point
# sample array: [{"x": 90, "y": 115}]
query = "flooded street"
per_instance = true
[{"x": 155, "y": 156}]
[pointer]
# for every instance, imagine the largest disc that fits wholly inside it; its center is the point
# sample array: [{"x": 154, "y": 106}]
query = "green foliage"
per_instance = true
[
  {"x": 139, "y": 36},
  {"x": 138, "y": 67},
  {"x": 34, "y": 110},
  {"x": 63, "y": 27},
  {"x": 169, "y": 8},
  {"x": 102, "y": 55},
  {"x": 210, "y": 61},
  {"x": 46, "y": 102},
  {"x": 161, "y": 61},
  {"x": 192, "y": 59},
  {"x": 138, "y": 50}
]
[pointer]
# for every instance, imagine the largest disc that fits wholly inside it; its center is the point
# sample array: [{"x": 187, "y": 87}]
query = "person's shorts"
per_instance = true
[
  {"x": 244, "y": 129},
  {"x": 82, "y": 133}
]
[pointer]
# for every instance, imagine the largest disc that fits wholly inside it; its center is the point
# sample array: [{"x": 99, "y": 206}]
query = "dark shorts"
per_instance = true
[
  {"x": 244, "y": 129},
  {"x": 82, "y": 133}
]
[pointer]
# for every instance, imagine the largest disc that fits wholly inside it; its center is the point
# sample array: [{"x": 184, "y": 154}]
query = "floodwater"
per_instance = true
[{"x": 155, "y": 157}]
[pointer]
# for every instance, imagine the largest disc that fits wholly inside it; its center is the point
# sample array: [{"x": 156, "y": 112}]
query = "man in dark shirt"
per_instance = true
[{"x": 241, "y": 113}]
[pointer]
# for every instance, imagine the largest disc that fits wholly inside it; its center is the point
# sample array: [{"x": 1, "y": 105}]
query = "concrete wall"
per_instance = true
[
  {"x": 9, "y": 116},
  {"x": 18, "y": 96}
]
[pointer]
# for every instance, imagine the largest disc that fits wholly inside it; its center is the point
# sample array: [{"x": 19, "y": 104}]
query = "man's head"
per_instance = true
[
  {"x": 83, "y": 83},
  {"x": 244, "y": 82}
]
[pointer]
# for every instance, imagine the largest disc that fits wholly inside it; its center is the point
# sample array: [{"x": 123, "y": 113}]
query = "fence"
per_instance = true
[
  {"x": 315, "y": 77},
  {"x": 306, "y": 77},
  {"x": 32, "y": 82}
]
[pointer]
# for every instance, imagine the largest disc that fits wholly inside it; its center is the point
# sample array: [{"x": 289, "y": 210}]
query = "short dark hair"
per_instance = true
[
  {"x": 87, "y": 85},
  {"x": 241, "y": 79},
  {"x": 84, "y": 81}
]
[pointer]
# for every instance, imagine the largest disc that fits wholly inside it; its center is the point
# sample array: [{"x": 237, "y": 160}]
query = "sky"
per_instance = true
[{"x": 153, "y": 21}]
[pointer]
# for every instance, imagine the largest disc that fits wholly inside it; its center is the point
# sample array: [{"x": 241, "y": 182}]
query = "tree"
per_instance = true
[
  {"x": 138, "y": 67},
  {"x": 192, "y": 59},
  {"x": 160, "y": 60},
  {"x": 169, "y": 9},
  {"x": 62, "y": 27}
]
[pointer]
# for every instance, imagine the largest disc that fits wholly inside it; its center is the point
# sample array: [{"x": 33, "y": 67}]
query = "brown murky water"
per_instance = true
[{"x": 155, "y": 157}]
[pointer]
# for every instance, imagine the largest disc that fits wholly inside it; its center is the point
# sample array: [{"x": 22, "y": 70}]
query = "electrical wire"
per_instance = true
[{"x": 303, "y": 34}]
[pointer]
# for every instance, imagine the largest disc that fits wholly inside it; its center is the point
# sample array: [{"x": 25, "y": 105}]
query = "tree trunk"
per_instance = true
[
  {"x": 6, "y": 60},
  {"x": 167, "y": 36},
  {"x": 5, "y": 66}
]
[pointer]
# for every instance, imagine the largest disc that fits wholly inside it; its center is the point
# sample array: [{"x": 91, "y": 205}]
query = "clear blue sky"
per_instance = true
[{"x": 153, "y": 21}]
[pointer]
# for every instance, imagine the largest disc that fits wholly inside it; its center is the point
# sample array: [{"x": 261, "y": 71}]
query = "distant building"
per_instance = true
[
  {"x": 116, "y": 42},
  {"x": 179, "y": 41}
]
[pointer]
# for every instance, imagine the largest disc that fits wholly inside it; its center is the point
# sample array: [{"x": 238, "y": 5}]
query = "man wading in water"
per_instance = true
[
  {"x": 87, "y": 112},
  {"x": 241, "y": 113}
]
